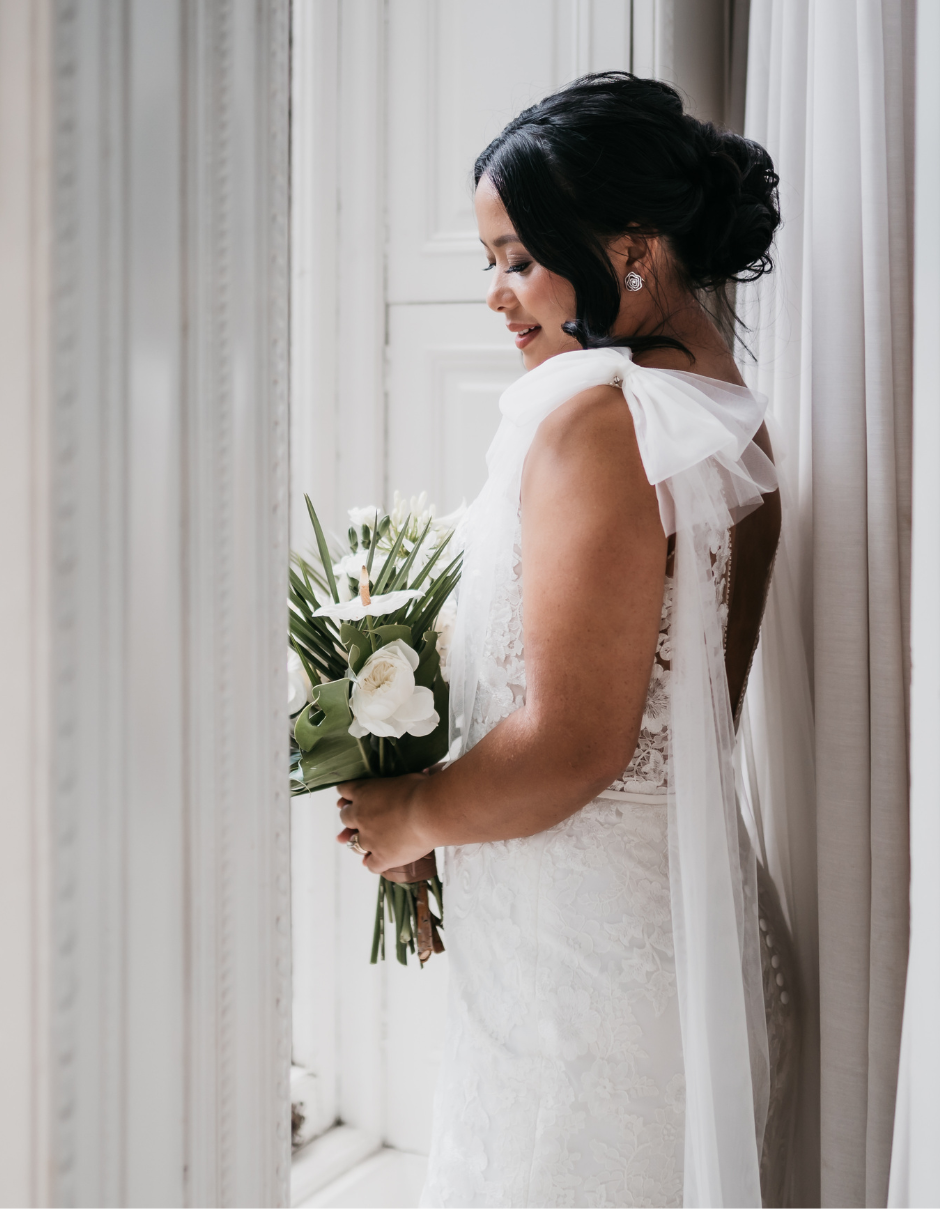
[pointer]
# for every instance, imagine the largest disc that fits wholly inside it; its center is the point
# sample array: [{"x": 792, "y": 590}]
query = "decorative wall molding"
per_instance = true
[
  {"x": 25, "y": 628},
  {"x": 161, "y": 489}
]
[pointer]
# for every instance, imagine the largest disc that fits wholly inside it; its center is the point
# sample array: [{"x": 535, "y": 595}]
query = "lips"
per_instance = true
[{"x": 524, "y": 333}]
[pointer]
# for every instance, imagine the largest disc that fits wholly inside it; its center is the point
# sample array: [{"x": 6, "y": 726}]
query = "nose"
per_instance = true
[{"x": 499, "y": 296}]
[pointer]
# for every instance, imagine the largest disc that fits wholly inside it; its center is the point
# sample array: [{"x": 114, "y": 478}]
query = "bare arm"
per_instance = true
[{"x": 594, "y": 557}]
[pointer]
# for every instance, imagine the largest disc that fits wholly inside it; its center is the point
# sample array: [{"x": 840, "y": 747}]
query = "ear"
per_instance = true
[{"x": 629, "y": 252}]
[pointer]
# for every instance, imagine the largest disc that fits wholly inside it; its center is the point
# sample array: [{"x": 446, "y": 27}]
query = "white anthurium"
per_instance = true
[
  {"x": 299, "y": 689},
  {"x": 356, "y": 609},
  {"x": 342, "y": 589},
  {"x": 385, "y": 700}
]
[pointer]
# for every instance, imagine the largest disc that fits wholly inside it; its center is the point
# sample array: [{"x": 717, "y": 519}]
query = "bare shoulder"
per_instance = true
[
  {"x": 595, "y": 422},
  {"x": 586, "y": 453}
]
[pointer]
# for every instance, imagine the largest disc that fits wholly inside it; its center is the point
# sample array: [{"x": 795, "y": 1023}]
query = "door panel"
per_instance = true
[
  {"x": 447, "y": 367},
  {"x": 457, "y": 73}
]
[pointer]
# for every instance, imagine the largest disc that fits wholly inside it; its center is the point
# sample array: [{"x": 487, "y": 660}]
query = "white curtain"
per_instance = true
[
  {"x": 830, "y": 93},
  {"x": 915, "y": 1163}
]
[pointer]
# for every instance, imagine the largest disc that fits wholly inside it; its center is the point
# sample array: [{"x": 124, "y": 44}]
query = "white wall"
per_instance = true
[
  {"x": 144, "y": 1046},
  {"x": 24, "y": 605}
]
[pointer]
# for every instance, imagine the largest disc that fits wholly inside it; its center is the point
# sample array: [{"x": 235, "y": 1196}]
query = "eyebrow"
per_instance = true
[{"x": 500, "y": 240}]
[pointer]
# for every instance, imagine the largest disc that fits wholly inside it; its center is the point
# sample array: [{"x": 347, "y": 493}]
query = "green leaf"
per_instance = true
[
  {"x": 374, "y": 541},
  {"x": 420, "y": 613},
  {"x": 388, "y": 567},
  {"x": 324, "y": 550},
  {"x": 389, "y": 633},
  {"x": 322, "y": 650},
  {"x": 309, "y": 572},
  {"x": 429, "y": 661},
  {"x": 429, "y": 565},
  {"x": 402, "y": 573},
  {"x": 309, "y": 667},
  {"x": 330, "y": 753},
  {"x": 332, "y": 701},
  {"x": 355, "y": 640},
  {"x": 335, "y": 758},
  {"x": 305, "y": 595}
]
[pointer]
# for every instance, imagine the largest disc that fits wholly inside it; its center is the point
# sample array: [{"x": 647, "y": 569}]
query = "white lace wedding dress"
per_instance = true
[{"x": 564, "y": 1079}]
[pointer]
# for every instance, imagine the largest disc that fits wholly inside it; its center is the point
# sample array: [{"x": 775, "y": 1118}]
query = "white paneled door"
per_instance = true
[
  {"x": 448, "y": 363},
  {"x": 456, "y": 73},
  {"x": 398, "y": 366}
]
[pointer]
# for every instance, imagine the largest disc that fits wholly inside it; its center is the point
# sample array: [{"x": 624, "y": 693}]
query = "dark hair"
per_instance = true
[{"x": 611, "y": 153}]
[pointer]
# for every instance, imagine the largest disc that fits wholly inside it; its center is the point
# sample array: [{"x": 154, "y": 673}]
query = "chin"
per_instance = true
[{"x": 532, "y": 357}]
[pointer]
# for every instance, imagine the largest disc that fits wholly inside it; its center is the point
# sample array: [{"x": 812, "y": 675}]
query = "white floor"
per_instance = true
[{"x": 389, "y": 1179}]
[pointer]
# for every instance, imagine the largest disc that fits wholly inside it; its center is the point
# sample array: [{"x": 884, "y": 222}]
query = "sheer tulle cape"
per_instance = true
[{"x": 695, "y": 437}]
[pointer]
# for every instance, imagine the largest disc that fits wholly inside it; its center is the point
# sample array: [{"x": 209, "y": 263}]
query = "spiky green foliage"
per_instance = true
[
  {"x": 329, "y": 650},
  {"x": 323, "y": 752}
]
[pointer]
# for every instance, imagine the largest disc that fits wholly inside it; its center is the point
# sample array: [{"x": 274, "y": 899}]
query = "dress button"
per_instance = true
[
  {"x": 784, "y": 998},
  {"x": 775, "y": 961},
  {"x": 779, "y": 980},
  {"x": 763, "y": 925},
  {"x": 770, "y": 941}
]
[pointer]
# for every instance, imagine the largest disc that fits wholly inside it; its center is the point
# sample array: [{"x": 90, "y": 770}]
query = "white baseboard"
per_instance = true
[
  {"x": 389, "y": 1179},
  {"x": 327, "y": 1158}
]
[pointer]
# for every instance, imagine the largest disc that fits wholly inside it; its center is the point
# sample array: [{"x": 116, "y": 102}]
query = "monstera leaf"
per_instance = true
[{"x": 328, "y": 752}]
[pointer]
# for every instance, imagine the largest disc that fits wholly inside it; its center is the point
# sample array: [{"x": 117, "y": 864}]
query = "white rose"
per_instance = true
[
  {"x": 386, "y": 701},
  {"x": 444, "y": 625},
  {"x": 299, "y": 689},
  {"x": 352, "y": 564},
  {"x": 364, "y": 516}
]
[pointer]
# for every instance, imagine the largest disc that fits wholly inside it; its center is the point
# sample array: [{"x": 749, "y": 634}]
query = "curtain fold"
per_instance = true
[
  {"x": 915, "y": 1169},
  {"x": 830, "y": 92}
]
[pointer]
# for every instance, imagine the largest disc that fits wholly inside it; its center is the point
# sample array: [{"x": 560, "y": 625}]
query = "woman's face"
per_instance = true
[{"x": 533, "y": 301}]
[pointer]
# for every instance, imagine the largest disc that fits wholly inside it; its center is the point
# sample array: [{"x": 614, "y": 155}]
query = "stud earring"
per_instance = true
[{"x": 633, "y": 281}]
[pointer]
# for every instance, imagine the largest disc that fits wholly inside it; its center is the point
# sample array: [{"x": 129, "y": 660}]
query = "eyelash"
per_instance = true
[{"x": 512, "y": 268}]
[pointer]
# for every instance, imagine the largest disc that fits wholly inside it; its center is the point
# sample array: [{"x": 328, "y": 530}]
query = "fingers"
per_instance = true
[
  {"x": 347, "y": 789},
  {"x": 345, "y": 835},
  {"x": 373, "y": 863},
  {"x": 347, "y": 815}
]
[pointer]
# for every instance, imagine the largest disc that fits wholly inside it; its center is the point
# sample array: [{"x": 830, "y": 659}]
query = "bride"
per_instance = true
[{"x": 606, "y": 1042}]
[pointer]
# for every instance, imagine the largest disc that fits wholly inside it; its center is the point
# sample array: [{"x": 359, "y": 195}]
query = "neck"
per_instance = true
[{"x": 687, "y": 322}]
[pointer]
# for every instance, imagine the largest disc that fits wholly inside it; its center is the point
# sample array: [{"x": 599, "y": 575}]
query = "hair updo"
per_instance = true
[{"x": 611, "y": 153}]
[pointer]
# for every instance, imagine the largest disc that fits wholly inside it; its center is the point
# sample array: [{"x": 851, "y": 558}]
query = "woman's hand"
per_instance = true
[{"x": 385, "y": 813}]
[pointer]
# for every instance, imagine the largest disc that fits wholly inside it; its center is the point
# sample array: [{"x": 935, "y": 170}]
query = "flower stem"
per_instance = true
[
  {"x": 381, "y": 757},
  {"x": 365, "y": 757}
]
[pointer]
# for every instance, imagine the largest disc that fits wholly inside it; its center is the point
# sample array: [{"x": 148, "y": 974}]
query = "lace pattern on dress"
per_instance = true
[
  {"x": 648, "y": 770},
  {"x": 562, "y": 1081}
]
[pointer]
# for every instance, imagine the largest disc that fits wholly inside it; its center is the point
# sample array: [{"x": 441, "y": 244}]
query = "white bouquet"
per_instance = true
[{"x": 366, "y": 681}]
